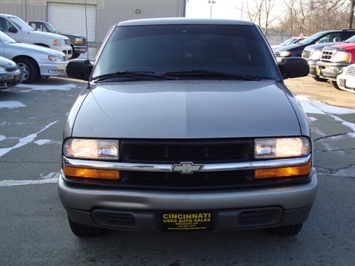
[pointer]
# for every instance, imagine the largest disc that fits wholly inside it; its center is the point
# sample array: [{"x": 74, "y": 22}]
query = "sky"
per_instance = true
[
  {"x": 230, "y": 9},
  {"x": 221, "y": 9}
]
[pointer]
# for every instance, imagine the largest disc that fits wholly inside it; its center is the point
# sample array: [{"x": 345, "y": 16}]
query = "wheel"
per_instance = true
[
  {"x": 334, "y": 84},
  {"x": 288, "y": 230},
  {"x": 82, "y": 230},
  {"x": 74, "y": 54},
  {"x": 28, "y": 69}
]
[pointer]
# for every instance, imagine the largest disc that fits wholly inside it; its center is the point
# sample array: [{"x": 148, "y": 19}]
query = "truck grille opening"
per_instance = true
[{"x": 179, "y": 151}]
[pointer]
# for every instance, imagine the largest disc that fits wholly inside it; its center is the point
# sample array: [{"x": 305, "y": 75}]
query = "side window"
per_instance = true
[
  {"x": 335, "y": 37},
  {"x": 5, "y": 25},
  {"x": 33, "y": 25},
  {"x": 346, "y": 35}
]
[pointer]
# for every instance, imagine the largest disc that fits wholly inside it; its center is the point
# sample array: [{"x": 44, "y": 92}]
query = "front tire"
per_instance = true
[
  {"x": 288, "y": 230},
  {"x": 82, "y": 230},
  {"x": 334, "y": 84},
  {"x": 29, "y": 70}
]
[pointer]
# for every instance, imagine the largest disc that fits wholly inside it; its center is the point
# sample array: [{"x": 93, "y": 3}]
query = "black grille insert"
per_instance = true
[{"x": 197, "y": 151}]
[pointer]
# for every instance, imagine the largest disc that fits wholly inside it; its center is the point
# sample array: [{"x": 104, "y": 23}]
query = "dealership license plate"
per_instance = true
[{"x": 186, "y": 221}]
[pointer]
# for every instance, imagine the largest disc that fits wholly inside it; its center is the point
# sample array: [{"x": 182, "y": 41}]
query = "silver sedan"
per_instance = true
[{"x": 34, "y": 61}]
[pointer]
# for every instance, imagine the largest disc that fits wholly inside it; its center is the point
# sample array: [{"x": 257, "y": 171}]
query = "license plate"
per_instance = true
[{"x": 186, "y": 221}]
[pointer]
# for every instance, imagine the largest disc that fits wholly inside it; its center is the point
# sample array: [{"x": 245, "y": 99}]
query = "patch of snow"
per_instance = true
[{"x": 11, "y": 104}]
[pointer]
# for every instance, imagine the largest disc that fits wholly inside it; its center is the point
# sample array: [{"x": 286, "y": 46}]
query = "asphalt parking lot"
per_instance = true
[
  {"x": 34, "y": 229},
  {"x": 321, "y": 92}
]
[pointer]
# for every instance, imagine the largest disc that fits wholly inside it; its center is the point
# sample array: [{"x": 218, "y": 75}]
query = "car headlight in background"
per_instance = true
[
  {"x": 285, "y": 53},
  {"x": 274, "y": 148},
  {"x": 54, "y": 58},
  {"x": 78, "y": 41},
  {"x": 2, "y": 70},
  {"x": 341, "y": 57},
  {"x": 96, "y": 149},
  {"x": 58, "y": 42}
]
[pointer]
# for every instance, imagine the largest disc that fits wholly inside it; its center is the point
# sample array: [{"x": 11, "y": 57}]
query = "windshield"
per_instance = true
[
  {"x": 187, "y": 51},
  {"x": 21, "y": 24},
  {"x": 311, "y": 38},
  {"x": 289, "y": 41},
  {"x": 351, "y": 39},
  {"x": 51, "y": 28},
  {"x": 5, "y": 38}
]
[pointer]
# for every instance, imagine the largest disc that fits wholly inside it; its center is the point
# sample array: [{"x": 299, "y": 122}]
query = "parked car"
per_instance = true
[
  {"x": 34, "y": 61},
  {"x": 79, "y": 43},
  {"x": 334, "y": 59},
  {"x": 186, "y": 125},
  {"x": 20, "y": 31},
  {"x": 9, "y": 73},
  {"x": 346, "y": 80},
  {"x": 288, "y": 42},
  {"x": 313, "y": 54},
  {"x": 319, "y": 37}
]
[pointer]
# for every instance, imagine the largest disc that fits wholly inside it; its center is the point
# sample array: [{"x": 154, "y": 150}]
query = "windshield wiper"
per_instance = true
[
  {"x": 209, "y": 74},
  {"x": 130, "y": 75}
]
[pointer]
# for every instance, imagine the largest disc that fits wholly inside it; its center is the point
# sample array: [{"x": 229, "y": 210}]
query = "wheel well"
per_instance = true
[
  {"x": 30, "y": 59},
  {"x": 42, "y": 44}
]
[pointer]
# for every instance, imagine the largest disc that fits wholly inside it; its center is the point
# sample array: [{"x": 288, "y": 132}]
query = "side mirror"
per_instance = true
[
  {"x": 293, "y": 67},
  {"x": 12, "y": 29},
  {"x": 79, "y": 69}
]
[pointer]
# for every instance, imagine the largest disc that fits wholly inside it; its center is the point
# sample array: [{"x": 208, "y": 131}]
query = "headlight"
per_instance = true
[
  {"x": 78, "y": 41},
  {"x": 273, "y": 148},
  {"x": 342, "y": 57},
  {"x": 285, "y": 53},
  {"x": 91, "y": 149},
  {"x": 53, "y": 58},
  {"x": 315, "y": 55},
  {"x": 2, "y": 70},
  {"x": 58, "y": 42}
]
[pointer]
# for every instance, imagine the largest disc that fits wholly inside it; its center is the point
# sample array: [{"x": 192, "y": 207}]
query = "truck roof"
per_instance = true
[{"x": 178, "y": 20}]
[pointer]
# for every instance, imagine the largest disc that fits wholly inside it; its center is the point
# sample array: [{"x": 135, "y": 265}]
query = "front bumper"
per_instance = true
[
  {"x": 53, "y": 69},
  {"x": 10, "y": 79},
  {"x": 81, "y": 49},
  {"x": 231, "y": 209},
  {"x": 312, "y": 68},
  {"x": 329, "y": 70}
]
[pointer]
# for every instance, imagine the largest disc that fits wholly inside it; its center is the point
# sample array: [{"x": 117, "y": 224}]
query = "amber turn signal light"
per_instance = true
[
  {"x": 91, "y": 173},
  {"x": 282, "y": 172}
]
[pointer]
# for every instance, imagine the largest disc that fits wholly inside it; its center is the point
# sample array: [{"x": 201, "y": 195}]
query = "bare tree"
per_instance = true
[
  {"x": 351, "y": 16},
  {"x": 315, "y": 15}
]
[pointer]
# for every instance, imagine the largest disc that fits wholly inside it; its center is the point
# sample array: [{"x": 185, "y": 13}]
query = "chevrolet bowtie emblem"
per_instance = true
[{"x": 186, "y": 168}]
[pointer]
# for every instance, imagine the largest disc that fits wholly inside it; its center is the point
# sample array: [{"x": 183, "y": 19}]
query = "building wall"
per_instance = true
[{"x": 108, "y": 13}]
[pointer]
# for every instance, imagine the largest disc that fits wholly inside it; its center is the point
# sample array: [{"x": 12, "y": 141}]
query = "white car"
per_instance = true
[
  {"x": 20, "y": 31},
  {"x": 34, "y": 61},
  {"x": 346, "y": 80}
]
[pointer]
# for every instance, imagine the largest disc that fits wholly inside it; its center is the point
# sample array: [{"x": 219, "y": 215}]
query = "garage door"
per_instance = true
[{"x": 70, "y": 18}]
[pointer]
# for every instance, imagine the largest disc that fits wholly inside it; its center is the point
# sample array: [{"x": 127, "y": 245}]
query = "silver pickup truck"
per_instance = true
[{"x": 186, "y": 125}]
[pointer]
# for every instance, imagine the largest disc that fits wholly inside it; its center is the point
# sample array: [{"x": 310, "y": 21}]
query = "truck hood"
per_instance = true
[
  {"x": 45, "y": 35},
  {"x": 17, "y": 49},
  {"x": 346, "y": 46},
  {"x": 186, "y": 109}
]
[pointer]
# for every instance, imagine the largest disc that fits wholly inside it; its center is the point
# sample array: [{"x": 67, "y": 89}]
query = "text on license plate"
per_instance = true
[{"x": 186, "y": 220}]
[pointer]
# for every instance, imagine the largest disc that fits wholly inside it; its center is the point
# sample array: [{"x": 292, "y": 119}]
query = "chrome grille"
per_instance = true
[
  {"x": 351, "y": 70},
  {"x": 327, "y": 55}
]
